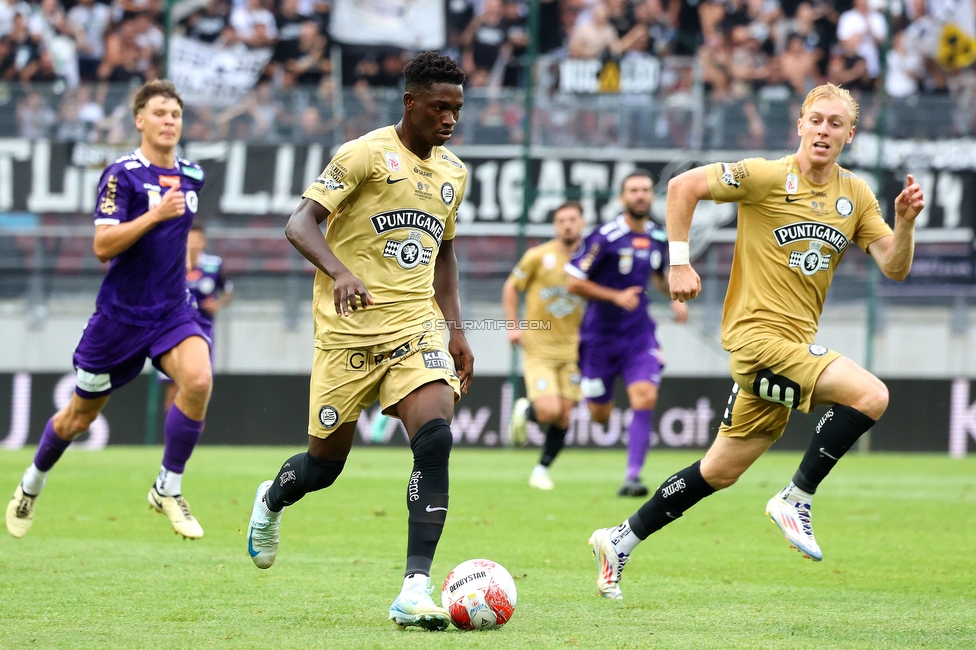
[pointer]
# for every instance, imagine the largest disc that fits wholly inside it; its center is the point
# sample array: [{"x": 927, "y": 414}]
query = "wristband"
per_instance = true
[{"x": 679, "y": 253}]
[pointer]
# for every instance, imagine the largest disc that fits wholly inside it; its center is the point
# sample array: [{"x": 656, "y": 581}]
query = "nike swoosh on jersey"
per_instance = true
[
  {"x": 788, "y": 198},
  {"x": 390, "y": 180},
  {"x": 434, "y": 509}
]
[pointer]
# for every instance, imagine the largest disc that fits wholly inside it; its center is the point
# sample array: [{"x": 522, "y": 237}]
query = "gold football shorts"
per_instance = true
[
  {"x": 558, "y": 378},
  {"x": 772, "y": 377},
  {"x": 346, "y": 381}
]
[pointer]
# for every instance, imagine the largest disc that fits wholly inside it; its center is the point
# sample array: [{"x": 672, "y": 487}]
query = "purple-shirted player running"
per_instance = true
[
  {"x": 617, "y": 334},
  {"x": 146, "y": 204}
]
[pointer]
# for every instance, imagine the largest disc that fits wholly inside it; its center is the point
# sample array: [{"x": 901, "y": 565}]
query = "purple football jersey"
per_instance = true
[
  {"x": 147, "y": 282},
  {"x": 206, "y": 280},
  {"x": 614, "y": 256}
]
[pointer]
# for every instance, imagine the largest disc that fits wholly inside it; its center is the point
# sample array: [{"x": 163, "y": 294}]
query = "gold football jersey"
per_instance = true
[
  {"x": 541, "y": 275},
  {"x": 389, "y": 213},
  {"x": 791, "y": 236}
]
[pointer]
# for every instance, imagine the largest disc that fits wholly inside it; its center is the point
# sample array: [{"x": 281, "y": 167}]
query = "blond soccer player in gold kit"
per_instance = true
[
  {"x": 797, "y": 217},
  {"x": 551, "y": 342},
  {"x": 390, "y": 200}
]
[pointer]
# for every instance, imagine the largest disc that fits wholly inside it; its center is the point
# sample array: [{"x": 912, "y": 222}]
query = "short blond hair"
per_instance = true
[{"x": 828, "y": 91}]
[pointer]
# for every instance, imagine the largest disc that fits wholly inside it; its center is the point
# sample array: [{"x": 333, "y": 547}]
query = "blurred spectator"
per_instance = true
[
  {"x": 685, "y": 17},
  {"x": 254, "y": 24},
  {"x": 210, "y": 23},
  {"x": 652, "y": 31},
  {"x": 484, "y": 38},
  {"x": 747, "y": 61},
  {"x": 849, "y": 69},
  {"x": 594, "y": 37},
  {"x": 129, "y": 51},
  {"x": 383, "y": 70},
  {"x": 48, "y": 24},
  {"x": 289, "y": 25},
  {"x": 905, "y": 68},
  {"x": 122, "y": 9},
  {"x": 34, "y": 117},
  {"x": 457, "y": 18},
  {"x": 714, "y": 57},
  {"x": 798, "y": 65},
  {"x": 89, "y": 111},
  {"x": 71, "y": 127},
  {"x": 199, "y": 123},
  {"x": 118, "y": 127},
  {"x": 22, "y": 53},
  {"x": 491, "y": 126},
  {"x": 311, "y": 62},
  {"x": 516, "y": 41},
  {"x": 861, "y": 30},
  {"x": 311, "y": 128},
  {"x": 90, "y": 21},
  {"x": 255, "y": 118}
]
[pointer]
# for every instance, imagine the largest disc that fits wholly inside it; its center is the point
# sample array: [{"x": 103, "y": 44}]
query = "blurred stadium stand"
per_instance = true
[{"x": 657, "y": 83}]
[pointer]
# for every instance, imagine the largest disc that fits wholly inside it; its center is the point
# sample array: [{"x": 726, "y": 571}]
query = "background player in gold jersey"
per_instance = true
[
  {"x": 797, "y": 217},
  {"x": 391, "y": 200},
  {"x": 552, "y": 378}
]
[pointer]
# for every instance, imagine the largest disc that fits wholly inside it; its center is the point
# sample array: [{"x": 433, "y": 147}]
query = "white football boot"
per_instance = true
[
  {"x": 609, "y": 563},
  {"x": 262, "y": 531},
  {"x": 178, "y": 510},
  {"x": 414, "y": 607},
  {"x": 518, "y": 423},
  {"x": 794, "y": 521},
  {"x": 20, "y": 512},
  {"x": 540, "y": 480}
]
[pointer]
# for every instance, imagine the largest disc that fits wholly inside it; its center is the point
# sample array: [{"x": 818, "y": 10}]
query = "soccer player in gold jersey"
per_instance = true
[
  {"x": 390, "y": 201},
  {"x": 797, "y": 218},
  {"x": 553, "y": 315}
]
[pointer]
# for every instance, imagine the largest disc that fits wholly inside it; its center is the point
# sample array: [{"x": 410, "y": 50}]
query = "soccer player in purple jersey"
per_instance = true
[
  {"x": 146, "y": 203},
  {"x": 617, "y": 335},
  {"x": 208, "y": 286}
]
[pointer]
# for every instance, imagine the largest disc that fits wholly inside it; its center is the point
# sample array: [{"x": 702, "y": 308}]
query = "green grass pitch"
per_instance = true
[{"x": 99, "y": 570}]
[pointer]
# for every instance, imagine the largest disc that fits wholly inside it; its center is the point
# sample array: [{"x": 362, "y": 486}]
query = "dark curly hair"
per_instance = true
[{"x": 428, "y": 68}]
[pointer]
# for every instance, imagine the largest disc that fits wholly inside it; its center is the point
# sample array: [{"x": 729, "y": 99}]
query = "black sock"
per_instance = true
[
  {"x": 555, "y": 441},
  {"x": 670, "y": 500},
  {"x": 427, "y": 494},
  {"x": 530, "y": 413},
  {"x": 301, "y": 474},
  {"x": 837, "y": 431}
]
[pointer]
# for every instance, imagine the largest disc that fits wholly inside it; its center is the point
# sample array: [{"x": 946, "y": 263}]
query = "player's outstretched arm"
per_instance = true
[
  {"x": 684, "y": 193},
  {"x": 893, "y": 254},
  {"x": 112, "y": 241},
  {"x": 304, "y": 234},
  {"x": 510, "y": 305},
  {"x": 448, "y": 298}
]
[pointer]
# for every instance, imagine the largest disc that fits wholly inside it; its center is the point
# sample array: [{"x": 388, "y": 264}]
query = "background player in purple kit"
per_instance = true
[
  {"x": 146, "y": 203},
  {"x": 617, "y": 334},
  {"x": 208, "y": 286}
]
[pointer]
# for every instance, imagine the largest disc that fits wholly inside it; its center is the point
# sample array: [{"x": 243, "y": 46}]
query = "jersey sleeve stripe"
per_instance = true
[
  {"x": 576, "y": 272},
  {"x": 107, "y": 222}
]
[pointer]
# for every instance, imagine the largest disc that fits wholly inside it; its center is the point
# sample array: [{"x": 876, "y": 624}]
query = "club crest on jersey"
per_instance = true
[
  {"x": 408, "y": 219},
  {"x": 817, "y": 350},
  {"x": 626, "y": 262},
  {"x": 408, "y": 253},
  {"x": 844, "y": 207},
  {"x": 733, "y": 173},
  {"x": 392, "y": 158},
  {"x": 792, "y": 183},
  {"x": 447, "y": 193},
  {"x": 192, "y": 201}
]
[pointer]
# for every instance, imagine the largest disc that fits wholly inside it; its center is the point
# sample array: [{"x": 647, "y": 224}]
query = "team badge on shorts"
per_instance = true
[
  {"x": 541, "y": 384},
  {"x": 328, "y": 416},
  {"x": 817, "y": 350}
]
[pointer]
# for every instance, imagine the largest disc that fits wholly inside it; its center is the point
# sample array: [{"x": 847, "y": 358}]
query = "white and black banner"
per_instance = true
[
  {"x": 214, "y": 75},
  {"x": 42, "y": 176},
  {"x": 408, "y": 24}
]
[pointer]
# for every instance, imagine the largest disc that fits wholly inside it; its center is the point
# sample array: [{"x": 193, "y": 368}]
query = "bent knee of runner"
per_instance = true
[
  {"x": 719, "y": 476},
  {"x": 600, "y": 412},
  {"x": 196, "y": 385},
  {"x": 643, "y": 398},
  {"x": 872, "y": 398},
  {"x": 547, "y": 410}
]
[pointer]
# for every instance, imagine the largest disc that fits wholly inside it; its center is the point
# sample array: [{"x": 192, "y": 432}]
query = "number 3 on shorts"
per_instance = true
[{"x": 776, "y": 388}]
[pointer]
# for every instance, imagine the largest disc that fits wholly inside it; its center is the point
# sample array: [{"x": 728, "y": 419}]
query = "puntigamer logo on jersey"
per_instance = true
[
  {"x": 384, "y": 222},
  {"x": 818, "y": 234}
]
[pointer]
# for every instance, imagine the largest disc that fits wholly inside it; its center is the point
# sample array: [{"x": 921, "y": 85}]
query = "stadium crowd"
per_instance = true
[{"x": 752, "y": 54}]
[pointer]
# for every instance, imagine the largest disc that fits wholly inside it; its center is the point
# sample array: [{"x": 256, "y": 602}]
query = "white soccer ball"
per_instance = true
[{"x": 480, "y": 595}]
